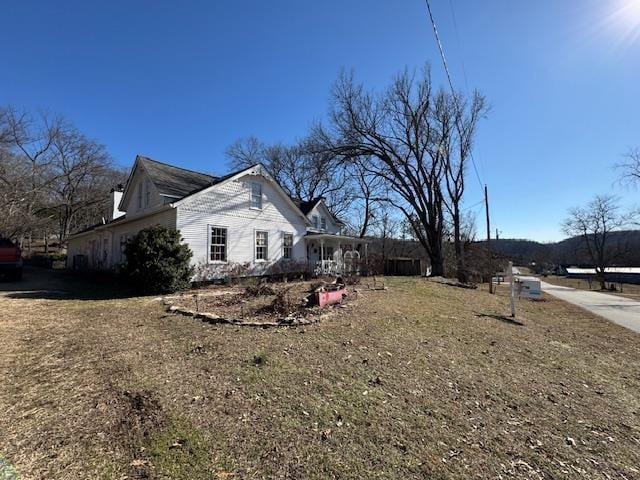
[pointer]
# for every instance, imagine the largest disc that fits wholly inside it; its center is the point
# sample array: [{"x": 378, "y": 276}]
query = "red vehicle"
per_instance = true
[{"x": 10, "y": 259}]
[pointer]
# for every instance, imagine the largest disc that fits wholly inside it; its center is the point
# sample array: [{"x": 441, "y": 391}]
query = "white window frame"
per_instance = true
[
  {"x": 284, "y": 246},
  {"x": 314, "y": 221},
  {"x": 251, "y": 196},
  {"x": 323, "y": 224},
  {"x": 147, "y": 193},
  {"x": 255, "y": 246},
  {"x": 210, "y": 244}
]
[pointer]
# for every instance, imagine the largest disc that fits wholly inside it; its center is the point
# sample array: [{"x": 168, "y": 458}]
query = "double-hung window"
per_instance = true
[
  {"x": 256, "y": 196},
  {"x": 262, "y": 245},
  {"x": 287, "y": 246},
  {"x": 147, "y": 193},
  {"x": 218, "y": 244},
  {"x": 323, "y": 224},
  {"x": 140, "y": 185},
  {"x": 315, "y": 222}
]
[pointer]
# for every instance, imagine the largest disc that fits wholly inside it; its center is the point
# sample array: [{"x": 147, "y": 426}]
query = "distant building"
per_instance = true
[{"x": 611, "y": 274}]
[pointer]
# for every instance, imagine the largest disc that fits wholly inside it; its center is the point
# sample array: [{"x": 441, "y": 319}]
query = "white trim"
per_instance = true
[
  {"x": 285, "y": 232},
  {"x": 255, "y": 245},
  {"x": 251, "y": 206},
  {"x": 147, "y": 193},
  {"x": 139, "y": 194},
  {"x": 127, "y": 186},
  {"x": 256, "y": 169},
  {"x": 226, "y": 246},
  {"x": 120, "y": 221}
]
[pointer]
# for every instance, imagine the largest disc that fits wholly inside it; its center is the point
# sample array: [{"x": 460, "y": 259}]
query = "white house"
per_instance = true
[{"x": 243, "y": 223}]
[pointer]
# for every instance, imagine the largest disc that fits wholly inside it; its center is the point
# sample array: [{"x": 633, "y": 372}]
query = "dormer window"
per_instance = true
[
  {"x": 323, "y": 224},
  {"x": 256, "y": 196}
]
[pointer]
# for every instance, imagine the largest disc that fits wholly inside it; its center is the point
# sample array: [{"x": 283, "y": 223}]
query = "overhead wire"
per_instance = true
[{"x": 449, "y": 79}]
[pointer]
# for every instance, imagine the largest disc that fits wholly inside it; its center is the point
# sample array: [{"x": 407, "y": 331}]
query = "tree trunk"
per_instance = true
[
  {"x": 459, "y": 248},
  {"x": 437, "y": 264}
]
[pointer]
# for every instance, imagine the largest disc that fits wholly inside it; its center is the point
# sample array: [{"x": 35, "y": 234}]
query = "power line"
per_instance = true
[
  {"x": 479, "y": 202},
  {"x": 455, "y": 26},
  {"x": 448, "y": 73}
]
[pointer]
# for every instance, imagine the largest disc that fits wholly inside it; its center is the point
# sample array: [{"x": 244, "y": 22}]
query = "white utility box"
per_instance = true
[{"x": 529, "y": 287}]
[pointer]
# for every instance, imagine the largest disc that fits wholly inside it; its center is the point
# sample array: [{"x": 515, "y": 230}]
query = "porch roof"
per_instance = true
[{"x": 332, "y": 236}]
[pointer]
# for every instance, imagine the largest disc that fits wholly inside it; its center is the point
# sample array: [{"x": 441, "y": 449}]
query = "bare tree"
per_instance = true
[
  {"x": 454, "y": 112},
  {"x": 398, "y": 133},
  {"x": 630, "y": 166},
  {"x": 305, "y": 171},
  {"x": 367, "y": 207},
  {"x": 82, "y": 175},
  {"x": 51, "y": 176},
  {"x": 28, "y": 149},
  {"x": 594, "y": 224}
]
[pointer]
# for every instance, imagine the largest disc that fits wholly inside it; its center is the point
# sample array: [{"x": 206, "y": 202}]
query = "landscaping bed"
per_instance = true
[{"x": 261, "y": 304}]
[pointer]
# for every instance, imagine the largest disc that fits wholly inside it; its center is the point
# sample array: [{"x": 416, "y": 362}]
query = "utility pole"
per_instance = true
[
  {"x": 489, "y": 266},
  {"x": 497, "y": 235}
]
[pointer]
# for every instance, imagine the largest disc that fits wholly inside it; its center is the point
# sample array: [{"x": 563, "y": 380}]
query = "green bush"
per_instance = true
[{"x": 157, "y": 262}]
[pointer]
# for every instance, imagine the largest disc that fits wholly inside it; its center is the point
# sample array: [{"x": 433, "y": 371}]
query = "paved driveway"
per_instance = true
[{"x": 623, "y": 311}]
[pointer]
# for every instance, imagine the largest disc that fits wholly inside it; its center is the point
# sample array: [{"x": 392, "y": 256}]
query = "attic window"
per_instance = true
[
  {"x": 315, "y": 221},
  {"x": 147, "y": 198},
  {"x": 323, "y": 224},
  {"x": 256, "y": 196},
  {"x": 140, "y": 195}
]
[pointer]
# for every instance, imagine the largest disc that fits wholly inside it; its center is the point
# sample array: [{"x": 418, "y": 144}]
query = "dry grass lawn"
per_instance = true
[
  {"x": 629, "y": 290},
  {"x": 420, "y": 381}
]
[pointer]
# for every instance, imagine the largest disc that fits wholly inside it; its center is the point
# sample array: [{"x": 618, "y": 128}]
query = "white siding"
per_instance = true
[
  {"x": 109, "y": 237},
  {"x": 228, "y": 205},
  {"x": 140, "y": 182},
  {"x": 321, "y": 211}
]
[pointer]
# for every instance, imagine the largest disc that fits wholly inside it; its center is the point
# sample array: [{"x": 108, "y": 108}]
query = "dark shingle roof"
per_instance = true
[
  {"x": 307, "y": 205},
  {"x": 173, "y": 181}
]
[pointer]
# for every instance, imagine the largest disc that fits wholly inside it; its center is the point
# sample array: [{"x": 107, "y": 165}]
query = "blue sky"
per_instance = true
[{"x": 180, "y": 81}]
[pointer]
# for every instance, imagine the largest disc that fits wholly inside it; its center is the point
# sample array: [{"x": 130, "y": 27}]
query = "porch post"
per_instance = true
[{"x": 322, "y": 255}]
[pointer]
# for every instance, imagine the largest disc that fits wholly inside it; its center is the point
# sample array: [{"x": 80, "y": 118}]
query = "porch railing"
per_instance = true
[
  {"x": 327, "y": 267},
  {"x": 331, "y": 267}
]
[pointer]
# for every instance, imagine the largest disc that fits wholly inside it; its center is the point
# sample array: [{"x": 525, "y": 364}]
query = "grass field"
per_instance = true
[{"x": 419, "y": 381}]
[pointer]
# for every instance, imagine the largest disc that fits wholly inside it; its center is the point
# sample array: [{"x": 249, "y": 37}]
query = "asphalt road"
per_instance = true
[{"x": 620, "y": 310}]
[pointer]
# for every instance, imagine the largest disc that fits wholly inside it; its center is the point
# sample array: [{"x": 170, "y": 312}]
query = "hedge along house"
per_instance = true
[{"x": 240, "y": 224}]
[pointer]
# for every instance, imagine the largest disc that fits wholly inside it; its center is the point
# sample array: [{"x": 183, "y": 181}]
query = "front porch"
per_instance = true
[{"x": 330, "y": 254}]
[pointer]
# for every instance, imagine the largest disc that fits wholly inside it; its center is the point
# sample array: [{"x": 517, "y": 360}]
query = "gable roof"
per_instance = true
[
  {"x": 256, "y": 169},
  {"x": 173, "y": 181},
  {"x": 307, "y": 205}
]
